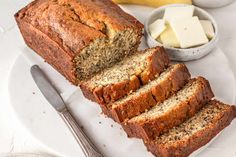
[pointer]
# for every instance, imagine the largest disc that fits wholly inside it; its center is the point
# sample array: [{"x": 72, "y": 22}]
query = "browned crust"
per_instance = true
[
  {"x": 149, "y": 129},
  {"x": 146, "y": 100},
  {"x": 158, "y": 61},
  {"x": 185, "y": 147},
  {"x": 49, "y": 50},
  {"x": 133, "y": 107},
  {"x": 60, "y": 19},
  {"x": 100, "y": 94}
]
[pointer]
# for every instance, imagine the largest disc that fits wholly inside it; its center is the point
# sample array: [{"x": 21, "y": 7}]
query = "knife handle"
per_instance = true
[{"x": 89, "y": 149}]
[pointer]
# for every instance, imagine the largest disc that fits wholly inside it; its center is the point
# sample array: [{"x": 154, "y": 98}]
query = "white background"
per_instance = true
[{"x": 13, "y": 137}]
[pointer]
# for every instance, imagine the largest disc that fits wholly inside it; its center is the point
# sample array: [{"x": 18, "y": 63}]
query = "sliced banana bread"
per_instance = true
[
  {"x": 79, "y": 37},
  {"x": 181, "y": 141},
  {"x": 171, "y": 112},
  {"x": 126, "y": 76},
  {"x": 170, "y": 81}
]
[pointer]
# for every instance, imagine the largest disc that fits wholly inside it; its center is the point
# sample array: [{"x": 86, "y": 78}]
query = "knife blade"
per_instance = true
[
  {"x": 54, "y": 98},
  {"x": 47, "y": 89}
]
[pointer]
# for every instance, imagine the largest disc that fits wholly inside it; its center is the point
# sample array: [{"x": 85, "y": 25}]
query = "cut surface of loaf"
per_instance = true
[
  {"x": 79, "y": 37},
  {"x": 181, "y": 141},
  {"x": 171, "y": 112},
  {"x": 126, "y": 76},
  {"x": 170, "y": 81}
]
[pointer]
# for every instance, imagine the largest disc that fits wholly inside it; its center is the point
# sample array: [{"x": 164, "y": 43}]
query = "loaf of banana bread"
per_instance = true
[
  {"x": 171, "y": 112},
  {"x": 126, "y": 76},
  {"x": 194, "y": 133},
  {"x": 170, "y": 81},
  {"x": 79, "y": 37}
]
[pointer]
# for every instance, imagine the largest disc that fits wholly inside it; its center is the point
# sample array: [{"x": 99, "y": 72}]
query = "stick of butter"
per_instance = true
[
  {"x": 156, "y": 28},
  {"x": 189, "y": 32},
  {"x": 208, "y": 28},
  {"x": 168, "y": 38},
  {"x": 175, "y": 13}
]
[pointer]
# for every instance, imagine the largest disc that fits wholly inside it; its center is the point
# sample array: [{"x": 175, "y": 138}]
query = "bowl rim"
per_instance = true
[
  {"x": 213, "y": 4},
  {"x": 208, "y": 15}
]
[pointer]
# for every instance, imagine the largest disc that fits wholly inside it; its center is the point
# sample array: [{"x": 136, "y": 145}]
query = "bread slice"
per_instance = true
[
  {"x": 171, "y": 112},
  {"x": 126, "y": 76},
  {"x": 181, "y": 141},
  {"x": 170, "y": 81}
]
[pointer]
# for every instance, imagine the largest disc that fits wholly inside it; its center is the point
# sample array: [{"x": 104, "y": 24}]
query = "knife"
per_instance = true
[{"x": 54, "y": 98}]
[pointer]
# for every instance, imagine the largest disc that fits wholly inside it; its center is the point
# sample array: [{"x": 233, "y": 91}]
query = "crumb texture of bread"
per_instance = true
[
  {"x": 197, "y": 131},
  {"x": 126, "y": 76},
  {"x": 79, "y": 38},
  {"x": 171, "y": 112},
  {"x": 169, "y": 82}
]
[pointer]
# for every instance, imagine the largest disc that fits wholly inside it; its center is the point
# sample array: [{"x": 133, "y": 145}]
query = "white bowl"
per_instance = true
[
  {"x": 212, "y": 3},
  {"x": 178, "y": 54}
]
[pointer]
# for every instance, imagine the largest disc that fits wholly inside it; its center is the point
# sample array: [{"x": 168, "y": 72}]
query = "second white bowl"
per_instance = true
[{"x": 212, "y": 3}]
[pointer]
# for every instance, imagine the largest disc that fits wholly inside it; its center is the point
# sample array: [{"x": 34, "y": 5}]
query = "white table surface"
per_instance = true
[{"x": 13, "y": 137}]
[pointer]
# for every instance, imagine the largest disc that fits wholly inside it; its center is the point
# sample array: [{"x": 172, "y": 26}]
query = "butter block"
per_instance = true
[
  {"x": 189, "y": 32},
  {"x": 169, "y": 38},
  {"x": 208, "y": 28},
  {"x": 175, "y": 13},
  {"x": 156, "y": 28}
]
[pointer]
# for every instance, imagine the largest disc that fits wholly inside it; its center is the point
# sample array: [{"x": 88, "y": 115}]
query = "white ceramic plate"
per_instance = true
[{"x": 42, "y": 121}]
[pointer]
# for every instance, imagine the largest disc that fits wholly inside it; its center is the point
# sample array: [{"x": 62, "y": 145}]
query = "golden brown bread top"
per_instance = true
[{"x": 76, "y": 23}]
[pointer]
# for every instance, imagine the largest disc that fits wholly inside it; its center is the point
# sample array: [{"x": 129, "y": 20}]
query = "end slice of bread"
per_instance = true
[
  {"x": 126, "y": 76},
  {"x": 171, "y": 112},
  {"x": 170, "y": 81},
  {"x": 181, "y": 141}
]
